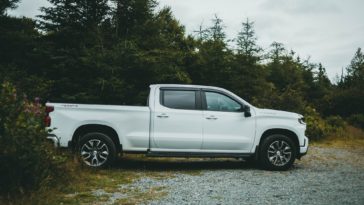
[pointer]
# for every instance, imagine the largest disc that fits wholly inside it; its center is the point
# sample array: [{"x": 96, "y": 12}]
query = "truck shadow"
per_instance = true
[{"x": 179, "y": 164}]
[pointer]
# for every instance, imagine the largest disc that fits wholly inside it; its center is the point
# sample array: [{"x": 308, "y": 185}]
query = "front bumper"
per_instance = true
[
  {"x": 304, "y": 148},
  {"x": 54, "y": 139}
]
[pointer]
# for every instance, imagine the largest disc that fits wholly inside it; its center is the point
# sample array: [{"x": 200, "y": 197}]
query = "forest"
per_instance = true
[
  {"x": 110, "y": 51},
  {"x": 96, "y": 52}
]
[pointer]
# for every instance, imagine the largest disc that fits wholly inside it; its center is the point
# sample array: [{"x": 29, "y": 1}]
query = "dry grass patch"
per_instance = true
[{"x": 353, "y": 138}]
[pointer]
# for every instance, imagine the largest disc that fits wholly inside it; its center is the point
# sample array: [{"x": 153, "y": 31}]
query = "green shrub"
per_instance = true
[
  {"x": 316, "y": 126},
  {"x": 28, "y": 161},
  {"x": 336, "y": 126},
  {"x": 319, "y": 128},
  {"x": 357, "y": 120}
]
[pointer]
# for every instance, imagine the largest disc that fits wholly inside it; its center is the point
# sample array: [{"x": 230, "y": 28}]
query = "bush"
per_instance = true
[
  {"x": 28, "y": 161},
  {"x": 319, "y": 128},
  {"x": 316, "y": 126},
  {"x": 336, "y": 126},
  {"x": 357, "y": 120}
]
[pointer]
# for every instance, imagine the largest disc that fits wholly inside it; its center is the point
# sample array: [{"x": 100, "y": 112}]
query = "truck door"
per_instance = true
[
  {"x": 225, "y": 128},
  {"x": 177, "y": 120}
]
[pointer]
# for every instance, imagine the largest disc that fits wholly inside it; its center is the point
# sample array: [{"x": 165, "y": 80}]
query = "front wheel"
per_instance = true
[
  {"x": 278, "y": 152},
  {"x": 97, "y": 150}
]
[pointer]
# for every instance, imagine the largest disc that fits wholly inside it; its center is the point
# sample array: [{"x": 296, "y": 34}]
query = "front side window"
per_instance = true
[
  {"x": 179, "y": 99},
  {"x": 219, "y": 102}
]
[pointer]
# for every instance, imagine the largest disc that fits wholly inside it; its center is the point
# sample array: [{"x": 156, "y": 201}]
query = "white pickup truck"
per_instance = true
[{"x": 180, "y": 121}]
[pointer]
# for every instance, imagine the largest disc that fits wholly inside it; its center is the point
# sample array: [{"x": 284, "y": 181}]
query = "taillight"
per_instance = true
[
  {"x": 47, "y": 118},
  {"x": 47, "y": 121},
  {"x": 49, "y": 109}
]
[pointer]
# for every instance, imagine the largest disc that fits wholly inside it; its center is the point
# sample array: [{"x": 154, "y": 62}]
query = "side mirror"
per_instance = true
[{"x": 246, "y": 110}]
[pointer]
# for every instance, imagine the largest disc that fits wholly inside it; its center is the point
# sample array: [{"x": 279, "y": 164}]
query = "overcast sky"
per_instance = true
[{"x": 327, "y": 31}]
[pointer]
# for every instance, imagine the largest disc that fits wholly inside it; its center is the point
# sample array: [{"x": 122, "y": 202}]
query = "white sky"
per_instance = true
[{"x": 328, "y": 31}]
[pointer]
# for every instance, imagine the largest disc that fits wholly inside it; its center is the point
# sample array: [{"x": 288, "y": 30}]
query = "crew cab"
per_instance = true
[{"x": 180, "y": 121}]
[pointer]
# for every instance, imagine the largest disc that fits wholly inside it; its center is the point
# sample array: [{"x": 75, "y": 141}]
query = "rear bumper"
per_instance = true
[
  {"x": 304, "y": 148},
  {"x": 54, "y": 139}
]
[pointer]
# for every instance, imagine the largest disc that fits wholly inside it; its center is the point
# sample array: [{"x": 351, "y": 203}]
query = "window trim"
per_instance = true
[
  {"x": 198, "y": 97},
  {"x": 204, "y": 101}
]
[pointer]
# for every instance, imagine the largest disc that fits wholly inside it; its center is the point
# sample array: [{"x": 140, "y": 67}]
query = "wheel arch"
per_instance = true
[
  {"x": 88, "y": 128},
  {"x": 289, "y": 133}
]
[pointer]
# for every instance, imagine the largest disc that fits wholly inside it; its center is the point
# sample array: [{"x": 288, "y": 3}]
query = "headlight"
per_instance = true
[{"x": 302, "y": 120}]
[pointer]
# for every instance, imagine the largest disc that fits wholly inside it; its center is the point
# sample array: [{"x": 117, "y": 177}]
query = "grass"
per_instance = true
[
  {"x": 80, "y": 188},
  {"x": 351, "y": 138}
]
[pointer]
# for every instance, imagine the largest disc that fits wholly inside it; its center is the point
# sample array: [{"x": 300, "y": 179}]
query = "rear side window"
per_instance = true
[{"x": 179, "y": 99}]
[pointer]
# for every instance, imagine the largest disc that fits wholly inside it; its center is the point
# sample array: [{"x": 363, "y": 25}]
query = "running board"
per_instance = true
[{"x": 198, "y": 154}]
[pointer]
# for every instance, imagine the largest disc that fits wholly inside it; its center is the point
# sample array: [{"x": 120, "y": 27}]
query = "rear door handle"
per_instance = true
[
  {"x": 163, "y": 115},
  {"x": 211, "y": 117}
]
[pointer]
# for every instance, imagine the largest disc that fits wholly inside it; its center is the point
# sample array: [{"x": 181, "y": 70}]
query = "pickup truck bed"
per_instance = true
[{"x": 134, "y": 121}]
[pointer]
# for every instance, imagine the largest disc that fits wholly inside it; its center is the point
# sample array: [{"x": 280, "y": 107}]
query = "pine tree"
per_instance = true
[
  {"x": 130, "y": 16},
  {"x": 321, "y": 77},
  {"x": 248, "y": 79},
  {"x": 76, "y": 15},
  {"x": 348, "y": 98},
  {"x": 277, "y": 51},
  {"x": 7, "y": 4},
  {"x": 355, "y": 71},
  {"x": 216, "y": 31},
  {"x": 247, "y": 40},
  {"x": 215, "y": 57}
]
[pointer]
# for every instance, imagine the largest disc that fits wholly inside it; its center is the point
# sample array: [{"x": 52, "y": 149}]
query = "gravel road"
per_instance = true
[{"x": 324, "y": 176}]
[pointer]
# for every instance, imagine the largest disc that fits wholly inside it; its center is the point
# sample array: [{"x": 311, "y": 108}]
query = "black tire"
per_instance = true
[
  {"x": 96, "y": 150},
  {"x": 273, "y": 152}
]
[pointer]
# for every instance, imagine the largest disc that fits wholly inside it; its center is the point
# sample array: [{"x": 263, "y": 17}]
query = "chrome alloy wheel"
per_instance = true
[
  {"x": 279, "y": 153},
  {"x": 94, "y": 152}
]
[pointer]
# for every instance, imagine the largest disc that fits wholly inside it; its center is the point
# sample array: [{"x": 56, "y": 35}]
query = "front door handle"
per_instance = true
[
  {"x": 163, "y": 115},
  {"x": 211, "y": 117}
]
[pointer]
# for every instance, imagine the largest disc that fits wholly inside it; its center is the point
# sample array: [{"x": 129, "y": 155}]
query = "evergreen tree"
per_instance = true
[
  {"x": 131, "y": 16},
  {"x": 277, "y": 51},
  {"x": 18, "y": 61},
  {"x": 7, "y": 4},
  {"x": 216, "y": 31},
  {"x": 248, "y": 78},
  {"x": 355, "y": 71},
  {"x": 288, "y": 77},
  {"x": 213, "y": 65},
  {"x": 77, "y": 15},
  {"x": 247, "y": 40},
  {"x": 348, "y": 99},
  {"x": 320, "y": 89},
  {"x": 94, "y": 51}
]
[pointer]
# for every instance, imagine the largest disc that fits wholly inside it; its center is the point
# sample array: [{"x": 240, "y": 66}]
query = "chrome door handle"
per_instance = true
[
  {"x": 211, "y": 117},
  {"x": 163, "y": 115}
]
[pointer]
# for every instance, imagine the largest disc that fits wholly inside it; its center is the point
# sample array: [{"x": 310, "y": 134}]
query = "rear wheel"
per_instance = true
[
  {"x": 97, "y": 150},
  {"x": 278, "y": 152}
]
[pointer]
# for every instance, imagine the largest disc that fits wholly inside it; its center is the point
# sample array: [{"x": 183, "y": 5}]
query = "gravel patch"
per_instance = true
[{"x": 324, "y": 176}]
